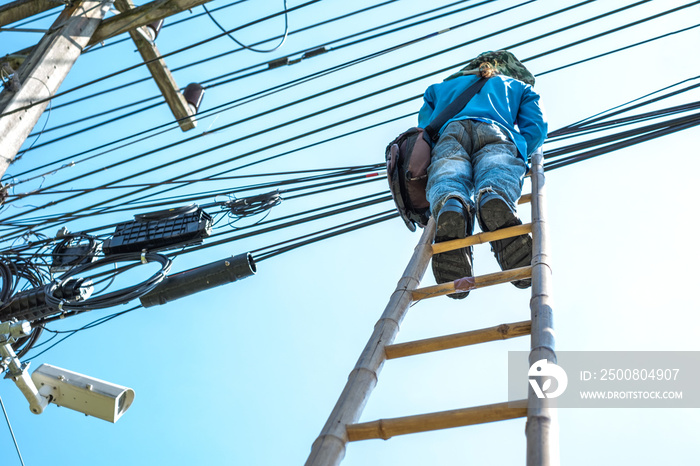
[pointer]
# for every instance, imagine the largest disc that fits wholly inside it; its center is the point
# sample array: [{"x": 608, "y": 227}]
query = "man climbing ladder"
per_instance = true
[
  {"x": 342, "y": 425},
  {"x": 479, "y": 161}
]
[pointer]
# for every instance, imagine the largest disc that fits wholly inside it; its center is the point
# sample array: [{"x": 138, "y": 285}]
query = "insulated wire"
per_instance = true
[
  {"x": 223, "y": 54},
  {"x": 632, "y": 104},
  {"x": 283, "y": 250},
  {"x": 165, "y": 25},
  {"x": 269, "y": 91},
  {"x": 611, "y": 31},
  {"x": 247, "y": 47},
  {"x": 525, "y": 23},
  {"x": 554, "y": 32},
  {"x": 276, "y": 228},
  {"x": 618, "y": 10},
  {"x": 71, "y": 333},
  {"x": 670, "y": 110},
  {"x": 311, "y": 189},
  {"x": 653, "y": 132},
  {"x": 663, "y": 36},
  {"x": 357, "y": 81},
  {"x": 208, "y": 179},
  {"x": 156, "y": 203},
  {"x": 12, "y": 432},
  {"x": 327, "y": 233},
  {"x": 163, "y": 56}
]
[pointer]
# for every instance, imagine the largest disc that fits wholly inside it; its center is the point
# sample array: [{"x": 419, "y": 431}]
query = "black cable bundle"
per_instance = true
[
  {"x": 252, "y": 205},
  {"x": 113, "y": 298}
]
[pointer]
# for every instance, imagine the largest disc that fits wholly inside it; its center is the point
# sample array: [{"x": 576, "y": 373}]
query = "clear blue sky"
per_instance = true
[{"x": 247, "y": 374}]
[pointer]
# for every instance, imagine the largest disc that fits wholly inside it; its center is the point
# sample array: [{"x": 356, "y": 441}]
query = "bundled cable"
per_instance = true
[
  {"x": 113, "y": 298},
  {"x": 69, "y": 252},
  {"x": 12, "y": 272},
  {"x": 252, "y": 205}
]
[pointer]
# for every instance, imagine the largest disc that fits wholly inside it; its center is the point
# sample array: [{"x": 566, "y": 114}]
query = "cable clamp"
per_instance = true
[
  {"x": 143, "y": 257},
  {"x": 60, "y": 308}
]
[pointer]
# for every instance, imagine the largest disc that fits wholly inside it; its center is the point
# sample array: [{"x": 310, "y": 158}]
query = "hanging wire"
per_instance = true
[
  {"x": 437, "y": 72},
  {"x": 270, "y": 91},
  {"x": 645, "y": 133},
  {"x": 113, "y": 298},
  {"x": 168, "y": 24},
  {"x": 163, "y": 56},
  {"x": 415, "y": 61},
  {"x": 220, "y": 55},
  {"x": 12, "y": 433},
  {"x": 616, "y": 10},
  {"x": 248, "y": 47},
  {"x": 71, "y": 333}
]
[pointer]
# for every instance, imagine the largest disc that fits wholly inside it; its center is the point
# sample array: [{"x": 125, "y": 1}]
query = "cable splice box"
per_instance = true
[{"x": 160, "y": 230}]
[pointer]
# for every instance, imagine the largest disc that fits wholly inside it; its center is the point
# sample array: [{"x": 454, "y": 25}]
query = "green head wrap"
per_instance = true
[{"x": 503, "y": 61}]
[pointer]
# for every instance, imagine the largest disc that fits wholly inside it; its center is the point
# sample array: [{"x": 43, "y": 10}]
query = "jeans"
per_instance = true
[{"x": 474, "y": 157}]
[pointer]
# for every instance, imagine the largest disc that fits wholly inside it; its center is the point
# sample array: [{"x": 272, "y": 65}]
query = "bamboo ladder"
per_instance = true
[{"x": 540, "y": 429}]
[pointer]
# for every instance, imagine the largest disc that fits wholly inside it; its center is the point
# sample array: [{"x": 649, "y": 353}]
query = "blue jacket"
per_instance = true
[{"x": 510, "y": 103}]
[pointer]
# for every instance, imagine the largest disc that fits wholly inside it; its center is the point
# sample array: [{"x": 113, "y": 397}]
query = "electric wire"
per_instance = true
[
  {"x": 620, "y": 49},
  {"x": 163, "y": 56},
  {"x": 71, "y": 333},
  {"x": 207, "y": 83},
  {"x": 336, "y": 171},
  {"x": 367, "y": 96},
  {"x": 627, "y": 106},
  {"x": 632, "y": 137},
  {"x": 192, "y": 16},
  {"x": 114, "y": 298},
  {"x": 248, "y": 47},
  {"x": 293, "y": 220},
  {"x": 660, "y": 97},
  {"x": 286, "y": 153},
  {"x": 584, "y": 2},
  {"x": 12, "y": 432},
  {"x": 629, "y": 137},
  {"x": 309, "y": 182},
  {"x": 223, "y": 54},
  {"x": 326, "y": 234},
  {"x": 559, "y": 30}
]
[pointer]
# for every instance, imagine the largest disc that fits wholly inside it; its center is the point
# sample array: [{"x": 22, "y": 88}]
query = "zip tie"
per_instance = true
[
  {"x": 143, "y": 257},
  {"x": 60, "y": 308}
]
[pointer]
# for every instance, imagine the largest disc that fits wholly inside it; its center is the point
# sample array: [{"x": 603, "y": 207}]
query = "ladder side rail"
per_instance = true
[
  {"x": 329, "y": 447},
  {"x": 541, "y": 427}
]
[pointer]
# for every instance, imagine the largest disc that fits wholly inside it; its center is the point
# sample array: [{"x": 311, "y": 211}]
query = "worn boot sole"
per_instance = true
[
  {"x": 513, "y": 252},
  {"x": 452, "y": 265}
]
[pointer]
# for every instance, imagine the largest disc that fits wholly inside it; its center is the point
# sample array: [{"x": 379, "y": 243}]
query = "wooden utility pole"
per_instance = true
[
  {"x": 141, "y": 16},
  {"x": 110, "y": 27},
  {"x": 43, "y": 72},
  {"x": 160, "y": 72},
  {"x": 21, "y": 9},
  {"x": 41, "y": 69}
]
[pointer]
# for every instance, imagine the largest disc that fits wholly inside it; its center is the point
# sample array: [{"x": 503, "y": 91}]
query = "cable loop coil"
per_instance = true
[{"x": 114, "y": 298}]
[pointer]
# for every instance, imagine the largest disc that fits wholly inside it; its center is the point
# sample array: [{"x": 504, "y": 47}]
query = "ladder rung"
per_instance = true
[
  {"x": 428, "y": 345},
  {"x": 481, "y": 238},
  {"x": 525, "y": 198},
  {"x": 387, "y": 428},
  {"x": 472, "y": 283}
]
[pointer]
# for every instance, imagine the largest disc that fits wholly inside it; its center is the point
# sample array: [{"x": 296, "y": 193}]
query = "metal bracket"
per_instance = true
[{"x": 16, "y": 370}]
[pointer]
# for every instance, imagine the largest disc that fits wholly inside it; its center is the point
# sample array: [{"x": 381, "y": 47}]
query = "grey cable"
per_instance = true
[{"x": 19, "y": 453}]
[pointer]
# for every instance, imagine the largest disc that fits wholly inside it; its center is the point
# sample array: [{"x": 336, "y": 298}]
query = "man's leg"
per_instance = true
[
  {"x": 450, "y": 170},
  {"x": 449, "y": 191},
  {"x": 498, "y": 177}
]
